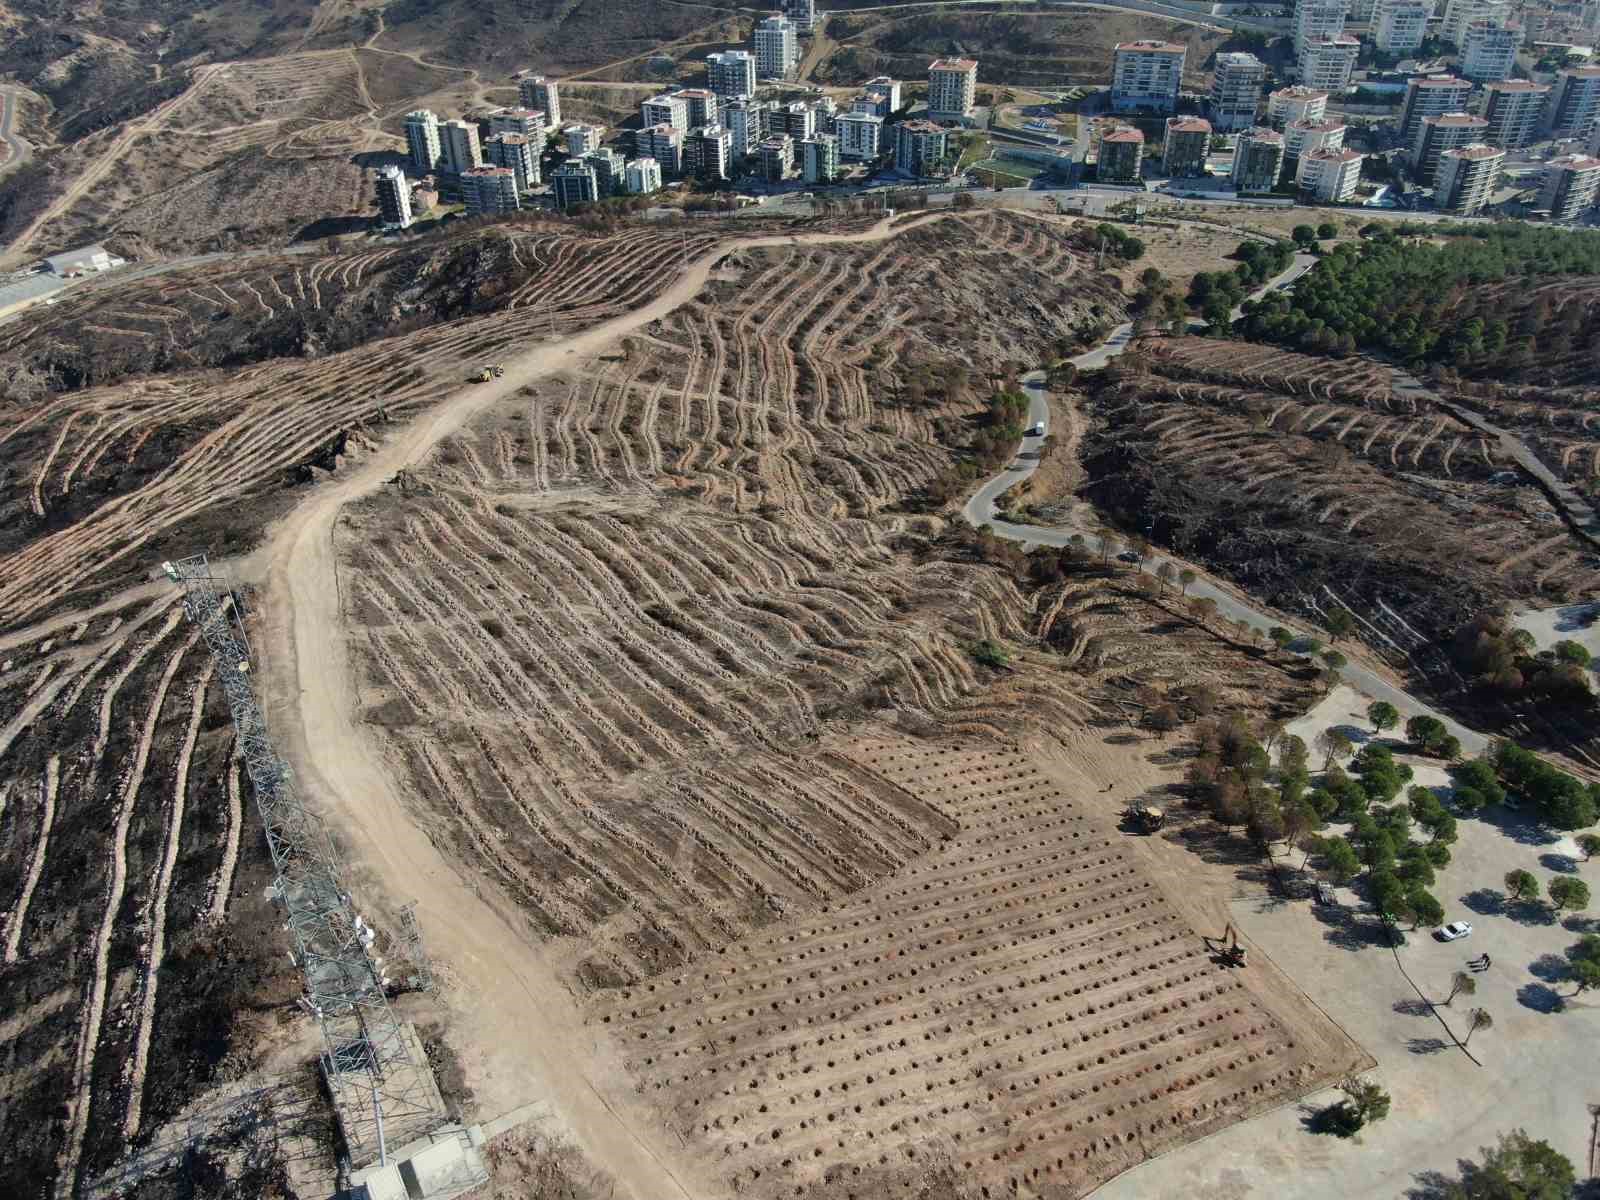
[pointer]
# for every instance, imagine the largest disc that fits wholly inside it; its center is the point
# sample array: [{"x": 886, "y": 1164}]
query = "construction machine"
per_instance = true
[
  {"x": 493, "y": 371},
  {"x": 1144, "y": 818}
]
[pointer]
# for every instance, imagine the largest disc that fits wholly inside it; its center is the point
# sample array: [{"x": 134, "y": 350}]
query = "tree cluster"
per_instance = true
[
  {"x": 1121, "y": 245},
  {"x": 1215, "y": 294},
  {"x": 1518, "y": 1168},
  {"x": 1562, "y": 801},
  {"x": 1504, "y": 660}
]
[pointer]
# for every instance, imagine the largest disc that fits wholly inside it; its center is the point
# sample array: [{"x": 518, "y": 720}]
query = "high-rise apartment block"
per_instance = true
[
  {"x": 1316, "y": 19},
  {"x": 1305, "y": 137},
  {"x": 952, "y": 88},
  {"x": 748, "y": 121},
  {"x": 459, "y": 150},
  {"x": 1466, "y": 178},
  {"x": 1400, "y": 25},
  {"x": 1330, "y": 175},
  {"x": 1514, "y": 109},
  {"x": 1575, "y": 102},
  {"x": 582, "y": 139},
  {"x": 703, "y": 106},
  {"x": 1257, "y": 160},
  {"x": 1430, "y": 96},
  {"x": 1448, "y": 131},
  {"x": 1296, "y": 104},
  {"x": 1570, "y": 184},
  {"x": 820, "y": 158},
  {"x": 860, "y": 136},
  {"x": 1328, "y": 62},
  {"x": 1147, "y": 75},
  {"x": 517, "y": 152},
  {"x": 662, "y": 143},
  {"x": 541, "y": 95},
  {"x": 887, "y": 91},
  {"x": 920, "y": 148},
  {"x": 798, "y": 120},
  {"x": 489, "y": 191},
  {"x": 574, "y": 182},
  {"x": 802, "y": 12},
  {"x": 394, "y": 197},
  {"x": 1185, "y": 146},
  {"x": 1488, "y": 52},
  {"x": 642, "y": 176},
  {"x": 1236, "y": 91},
  {"x": 708, "y": 153},
  {"x": 775, "y": 157},
  {"x": 1121, "y": 157},
  {"x": 669, "y": 109},
  {"x": 1460, "y": 14},
  {"x": 422, "y": 140},
  {"x": 608, "y": 166},
  {"x": 776, "y": 45},
  {"x": 526, "y": 121},
  {"x": 732, "y": 74}
]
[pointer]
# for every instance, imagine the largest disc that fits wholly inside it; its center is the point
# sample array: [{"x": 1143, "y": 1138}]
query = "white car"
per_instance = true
[
  {"x": 1454, "y": 930},
  {"x": 1036, "y": 430}
]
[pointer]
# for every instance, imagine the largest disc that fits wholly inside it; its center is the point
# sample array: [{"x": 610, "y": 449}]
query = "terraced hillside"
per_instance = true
[
  {"x": 674, "y": 665},
  {"x": 1337, "y": 493}
]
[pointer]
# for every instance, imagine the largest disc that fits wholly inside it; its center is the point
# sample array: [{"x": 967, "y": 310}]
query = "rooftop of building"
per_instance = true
[
  {"x": 1516, "y": 85},
  {"x": 1478, "y": 150},
  {"x": 573, "y": 166},
  {"x": 522, "y": 114},
  {"x": 1326, "y": 125},
  {"x": 1187, "y": 125},
  {"x": 1456, "y": 120},
  {"x": 1238, "y": 58},
  {"x": 1574, "y": 162},
  {"x": 1263, "y": 135},
  {"x": 487, "y": 172},
  {"x": 1333, "y": 39},
  {"x": 1592, "y": 72},
  {"x": 953, "y": 64},
  {"x": 695, "y": 93},
  {"x": 878, "y": 79},
  {"x": 1132, "y": 136},
  {"x": 920, "y": 126},
  {"x": 1345, "y": 155},
  {"x": 1299, "y": 91},
  {"x": 1438, "y": 81},
  {"x": 1151, "y": 46},
  {"x": 861, "y": 116}
]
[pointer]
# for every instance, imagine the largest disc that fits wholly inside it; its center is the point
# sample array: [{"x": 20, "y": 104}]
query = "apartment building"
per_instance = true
[
  {"x": 1514, "y": 109},
  {"x": 820, "y": 158},
  {"x": 1330, "y": 175},
  {"x": 776, "y": 45},
  {"x": 826, "y": 112},
  {"x": 459, "y": 150},
  {"x": 1466, "y": 178},
  {"x": 668, "y": 109},
  {"x": 1236, "y": 91},
  {"x": 664, "y": 144},
  {"x": 1430, "y": 96},
  {"x": 641, "y": 176},
  {"x": 1307, "y": 137},
  {"x": 920, "y": 148},
  {"x": 1488, "y": 52},
  {"x": 798, "y": 120},
  {"x": 541, "y": 95},
  {"x": 703, "y": 105},
  {"x": 802, "y": 12},
  {"x": 775, "y": 157},
  {"x": 860, "y": 136},
  {"x": 952, "y": 88},
  {"x": 608, "y": 167},
  {"x": 1575, "y": 102},
  {"x": 732, "y": 74},
  {"x": 1146, "y": 75},
  {"x": 1328, "y": 62},
  {"x": 1570, "y": 184},
  {"x": 1121, "y": 157},
  {"x": 1257, "y": 160},
  {"x": 1317, "y": 19},
  {"x": 582, "y": 139},
  {"x": 1448, "y": 131},
  {"x": 517, "y": 152},
  {"x": 708, "y": 153},
  {"x": 1400, "y": 25},
  {"x": 422, "y": 140},
  {"x": 887, "y": 91},
  {"x": 525, "y": 121},
  {"x": 1184, "y": 147},
  {"x": 1296, "y": 103},
  {"x": 574, "y": 182},
  {"x": 1460, "y": 14},
  {"x": 394, "y": 198},
  {"x": 489, "y": 191},
  {"x": 747, "y": 122}
]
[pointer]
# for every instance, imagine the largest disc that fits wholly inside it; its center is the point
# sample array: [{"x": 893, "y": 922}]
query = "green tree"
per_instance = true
[
  {"x": 1341, "y": 623},
  {"x": 1327, "y": 230},
  {"x": 1364, "y": 1103},
  {"x": 1425, "y": 732},
  {"x": 1572, "y": 652},
  {"x": 1589, "y": 843},
  {"x": 1340, "y": 860},
  {"x": 1166, "y": 572},
  {"x": 1303, "y": 235},
  {"x": 990, "y": 653},
  {"x": 1281, "y": 637},
  {"x": 1449, "y": 747},
  {"x": 1332, "y": 744},
  {"x": 1568, "y": 893},
  {"x": 1519, "y": 1168},
  {"x": 1583, "y": 962},
  {"x": 1186, "y": 577},
  {"x": 1461, "y": 984},
  {"x": 1425, "y": 909},
  {"x": 1334, "y": 661},
  {"x": 1521, "y": 885},
  {"x": 1383, "y": 715}
]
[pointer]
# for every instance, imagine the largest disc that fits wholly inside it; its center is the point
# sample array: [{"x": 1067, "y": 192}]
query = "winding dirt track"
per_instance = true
[{"x": 514, "y": 1020}]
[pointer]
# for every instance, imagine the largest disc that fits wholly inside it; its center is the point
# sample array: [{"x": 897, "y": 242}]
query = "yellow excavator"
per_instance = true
[{"x": 493, "y": 371}]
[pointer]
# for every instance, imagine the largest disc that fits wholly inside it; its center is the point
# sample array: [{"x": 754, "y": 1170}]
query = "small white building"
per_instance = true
[
  {"x": 86, "y": 260},
  {"x": 1296, "y": 103}
]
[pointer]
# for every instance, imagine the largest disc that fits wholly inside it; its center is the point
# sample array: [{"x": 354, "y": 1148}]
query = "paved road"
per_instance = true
[{"x": 981, "y": 510}]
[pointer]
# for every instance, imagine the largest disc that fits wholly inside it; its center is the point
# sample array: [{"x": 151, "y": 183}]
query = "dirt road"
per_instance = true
[{"x": 519, "y": 1029}]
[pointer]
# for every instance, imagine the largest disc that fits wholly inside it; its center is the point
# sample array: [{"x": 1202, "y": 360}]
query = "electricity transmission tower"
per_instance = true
[
  {"x": 382, "y": 1094},
  {"x": 411, "y": 937}
]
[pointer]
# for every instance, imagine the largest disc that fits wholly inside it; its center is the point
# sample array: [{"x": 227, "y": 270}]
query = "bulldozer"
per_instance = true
[
  {"x": 493, "y": 371},
  {"x": 1144, "y": 818}
]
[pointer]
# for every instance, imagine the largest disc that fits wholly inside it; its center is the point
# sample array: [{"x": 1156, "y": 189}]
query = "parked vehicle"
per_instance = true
[{"x": 1454, "y": 930}]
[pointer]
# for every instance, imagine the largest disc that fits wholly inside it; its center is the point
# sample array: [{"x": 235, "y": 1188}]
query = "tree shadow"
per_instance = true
[
  {"x": 1530, "y": 912},
  {"x": 1123, "y": 739},
  {"x": 375, "y": 159},
  {"x": 1358, "y": 736},
  {"x": 1578, "y": 923},
  {"x": 1562, "y": 863},
  {"x": 1551, "y": 968},
  {"x": 1486, "y": 902},
  {"x": 332, "y": 227},
  {"x": 1434, "y": 1185},
  {"x": 1518, "y": 825},
  {"x": 1426, "y": 1045},
  {"x": 1349, "y": 930},
  {"x": 1413, "y": 1007},
  {"x": 1540, "y": 998}
]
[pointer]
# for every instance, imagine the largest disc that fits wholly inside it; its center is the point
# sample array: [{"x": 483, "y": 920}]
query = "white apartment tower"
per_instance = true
[
  {"x": 708, "y": 153},
  {"x": 422, "y": 139},
  {"x": 952, "y": 88},
  {"x": 582, "y": 139},
  {"x": 776, "y": 45},
  {"x": 702, "y": 105},
  {"x": 1400, "y": 25},
  {"x": 732, "y": 74},
  {"x": 642, "y": 176},
  {"x": 574, "y": 182},
  {"x": 1514, "y": 109},
  {"x": 1327, "y": 62},
  {"x": 1236, "y": 91},
  {"x": 1430, "y": 96},
  {"x": 1570, "y": 184},
  {"x": 394, "y": 197},
  {"x": 860, "y": 136},
  {"x": 541, "y": 95},
  {"x": 458, "y": 146},
  {"x": 887, "y": 91},
  {"x": 1146, "y": 74},
  {"x": 1460, "y": 14},
  {"x": 671, "y": 109},
  {"x": 526, "y": 121},
  {"x": 820, "y": 158},
  {"x": 1488, "y": 52},
  {"x": 1307, "y": 137},
  {"x": 1185, "y": 146},
  {"x": 1296, "y": 104},
  {"x": 1575, "y": 103},
  {"x": 662, "y": 143},
  {"x": 488, "y": 191},
  {"x": 1317, "y": 18},
  {"x": 1466, "y": 178},
  {"x": 802, "y": 12},
  {"x": 1330, "y": 175},
  {"x": 1448, "y": 131}
]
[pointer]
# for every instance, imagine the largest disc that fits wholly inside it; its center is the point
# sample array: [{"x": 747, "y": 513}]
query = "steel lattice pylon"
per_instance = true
[{"x": 382, "y": 1093}]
